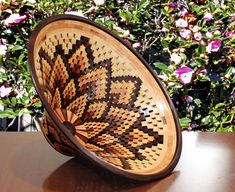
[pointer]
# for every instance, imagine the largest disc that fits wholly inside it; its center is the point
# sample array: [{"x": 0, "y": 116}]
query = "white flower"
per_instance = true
[
  {"x": 198, "y": 36},
  {"x": 177, "y": 59},
  {"x": 208, "y": 17},
  {"x": 209, "y": 35},
  {"x": 3, "y": 49},
  {"x": 78, "y": 13},
  {"x": 5, "y": 91},
  {"x": 186, "y": 33},
  {"x": 99, "y": 2},
  {"x": 14, "y": 19},
  {"x": 181, "y": 23}
]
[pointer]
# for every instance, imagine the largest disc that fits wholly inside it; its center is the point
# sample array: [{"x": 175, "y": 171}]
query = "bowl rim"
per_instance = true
[{"x": 81, "y": 149}]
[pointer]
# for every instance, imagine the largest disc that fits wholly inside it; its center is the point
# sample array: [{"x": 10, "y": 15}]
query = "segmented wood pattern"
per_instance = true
[{"x": 104, "y": 96}]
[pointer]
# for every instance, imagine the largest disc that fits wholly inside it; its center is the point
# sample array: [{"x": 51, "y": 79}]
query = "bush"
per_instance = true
[{"x": 190, "y": 45}]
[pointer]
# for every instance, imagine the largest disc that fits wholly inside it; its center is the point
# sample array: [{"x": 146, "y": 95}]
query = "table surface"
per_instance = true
[{"x": 29, "y": 163}]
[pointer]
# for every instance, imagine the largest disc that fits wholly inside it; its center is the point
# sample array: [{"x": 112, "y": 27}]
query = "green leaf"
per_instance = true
[
  {"x": 161, "y": 66},
  {"x": 219, "y": 105},
  {"x": 16, "y": 48},
  {"x": 197, "y": 102},
  {"x": 125, "y": 15},
  {"x": 143, "y": 4},
  {"x": 184, "y": 122}
]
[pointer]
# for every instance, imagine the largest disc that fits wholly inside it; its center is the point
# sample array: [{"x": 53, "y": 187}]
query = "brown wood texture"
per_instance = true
[
  {"x": 29, "y": 164},
  {"x": 102, "y": 99}
]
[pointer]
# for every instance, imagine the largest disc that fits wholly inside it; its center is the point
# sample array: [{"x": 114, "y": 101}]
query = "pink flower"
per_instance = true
[
  {"x": 99, "y": 2},
  {"x": 2, "y": 7},
  {"x": 188, "y": 99},
  {"x": 3, "y": 49},
  {"x": 208, "y": 17},
  {"x": 173, "y": 5},
  {"x": 5, "y": 90},
  {"x": 197, "y": 36},
  {"x": 184, "y": 74},
  {"x": 186, "y": 33},
  {"x": 14, "y": 19},
  {"x": 191, "y": 126},
  {"x": 183, "y": 12},
  {"x": 219, "y": 22},
  {"x": 136, "y": 45},
  {"x": 181, "y": 23},
  {"x": 229, "y": 33},
  {"x": 213, "y": 46}
]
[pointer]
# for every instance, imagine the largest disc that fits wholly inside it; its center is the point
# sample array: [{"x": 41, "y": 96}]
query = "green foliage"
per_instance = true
[{"x": 191, "y": 47}]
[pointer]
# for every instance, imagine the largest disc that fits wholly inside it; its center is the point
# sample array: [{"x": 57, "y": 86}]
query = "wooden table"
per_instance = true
[{"x": 28, "y": 163}]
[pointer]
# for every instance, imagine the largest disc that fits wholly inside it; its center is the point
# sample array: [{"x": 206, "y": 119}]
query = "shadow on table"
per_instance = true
[{"x": 79, "y": 175}]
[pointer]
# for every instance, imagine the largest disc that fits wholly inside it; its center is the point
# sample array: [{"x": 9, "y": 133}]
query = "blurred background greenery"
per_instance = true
[{"x": 189, "y": 44}]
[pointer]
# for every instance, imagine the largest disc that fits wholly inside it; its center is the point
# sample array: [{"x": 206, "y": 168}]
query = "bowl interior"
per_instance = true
[{"x": 105, "y": 96}]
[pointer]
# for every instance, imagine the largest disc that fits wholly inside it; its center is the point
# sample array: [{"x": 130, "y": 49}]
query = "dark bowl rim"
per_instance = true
[{"x": 82, "y": 149}]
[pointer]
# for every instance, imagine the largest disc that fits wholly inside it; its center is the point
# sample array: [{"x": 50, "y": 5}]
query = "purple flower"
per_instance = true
[
  {"x": 14, "y": 19},
  {"x": 172, "y": 5},
  {"x": 136, "y": 45},
  {"x": 208, "y": 17},
  {"x": 181, "y": 23},
  {"x": 213, "y": 46},
  {"x": 5, "y": 90},
  {"x": 183, "y": 12},
  {"x": 197, "y": 36},
  {"x": 191, "y": 126},
  {"x": 184, "y": 74},
  {"x": 186, "y": 33}
]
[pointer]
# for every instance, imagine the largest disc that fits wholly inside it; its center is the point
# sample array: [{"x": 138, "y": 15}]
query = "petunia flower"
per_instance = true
[
  {"x": 186, "y": 33},
  {"x": 184, "y": 74},
  {"x": 5, "y": 90},
  {"x": 78, "y": 13},
  {"x": 213, "y": 46},
  {"x": 197, "y": 36},
  {"x": 14, "y": 19},
  {"x": 136, "y": 45},
  {"x": 219, "y": 22},
  {"x": 209, "y": 35},
  {"x": 181, "y": 23},
  {"x": 183, "y": 12},
  {"x": 191, "y": 126},
  {"x": 188, "y": 98},
  {"x": 99, "y": 2},
  {"x": 230, "y": 34},
  {"x": 173, "y": 5},
  {"x": 208, "y": 17},
  {"x": 177, "y": 59},
  {"x": 3, "y": 49}
]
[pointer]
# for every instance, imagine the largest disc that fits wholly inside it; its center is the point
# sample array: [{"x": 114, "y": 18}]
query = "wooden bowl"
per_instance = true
[{"x": 102, "y": 100}]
